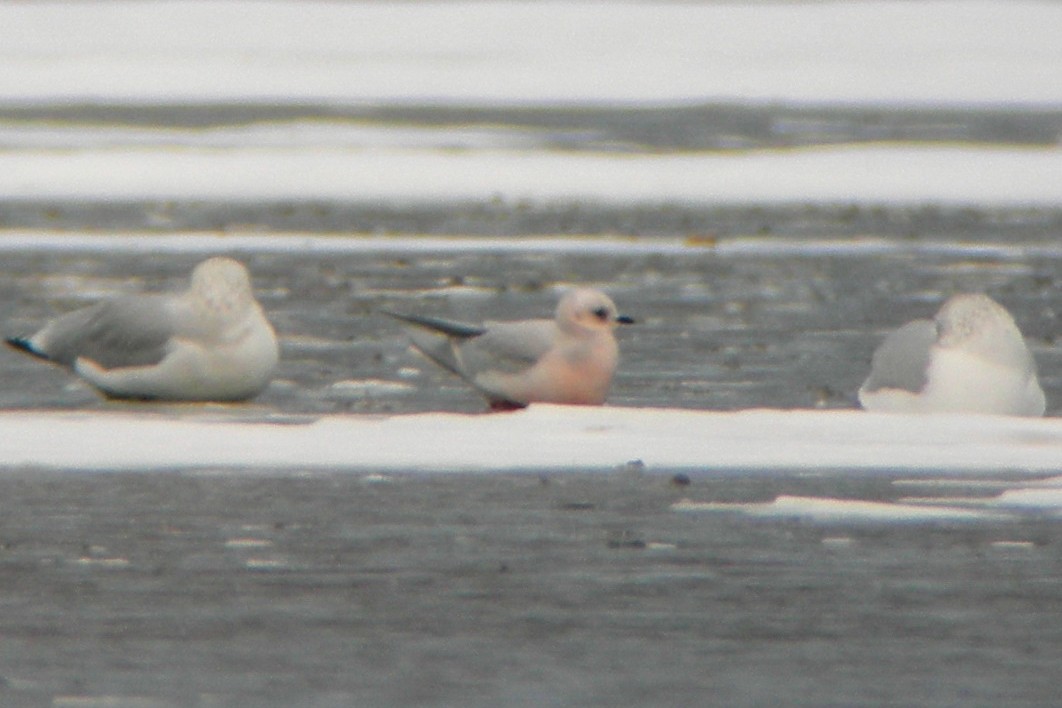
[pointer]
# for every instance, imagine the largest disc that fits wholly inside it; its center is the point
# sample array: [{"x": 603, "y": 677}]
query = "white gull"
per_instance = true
[
  {"x": 971, "y": 358},
  {"x": 210, "y": 342}
]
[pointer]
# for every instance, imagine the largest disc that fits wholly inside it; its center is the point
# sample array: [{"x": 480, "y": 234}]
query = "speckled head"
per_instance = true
[
  {"x": 977, "y": 323},
  {"x": 223, "y": 285},
  {"x": 967, "y": 316}
]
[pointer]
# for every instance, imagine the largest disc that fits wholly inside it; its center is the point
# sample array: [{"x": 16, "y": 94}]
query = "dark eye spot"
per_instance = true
[{"x": 602, "y": 314}]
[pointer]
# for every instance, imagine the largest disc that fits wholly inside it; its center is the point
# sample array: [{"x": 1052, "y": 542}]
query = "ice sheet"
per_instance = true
[
  {"x": 542, "y": 437},
  {"x": 987, "y": 176},
  {"x": 839, "y": 510},
  {"x": 931, "y": 52}
]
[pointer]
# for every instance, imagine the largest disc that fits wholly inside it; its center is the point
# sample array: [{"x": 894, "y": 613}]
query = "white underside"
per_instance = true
[
  {"x": 194, "y": 371},
  {"x": 963, "y": 383}
]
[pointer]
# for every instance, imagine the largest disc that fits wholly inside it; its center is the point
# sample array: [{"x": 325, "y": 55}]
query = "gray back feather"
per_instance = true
[
  {"x": 902, "y": 360},
  {"x": 509, "y": 347},
  {"x": 126, "y": 331},
  {"x": 469, "y": 351}
]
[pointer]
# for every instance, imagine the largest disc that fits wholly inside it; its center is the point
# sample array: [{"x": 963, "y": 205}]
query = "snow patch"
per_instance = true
[
  {"x": 838, "y": 510},
  {"x": 956, "y": 174},
  {"x": 540, "y": 437},
  {"x": 989, "y": 51}
]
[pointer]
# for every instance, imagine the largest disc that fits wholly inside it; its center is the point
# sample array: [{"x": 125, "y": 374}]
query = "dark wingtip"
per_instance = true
[
  {"x": 436, "y": 324},
  {"x": 394, "y": 315},
  {"x": 23, "y": 345}
]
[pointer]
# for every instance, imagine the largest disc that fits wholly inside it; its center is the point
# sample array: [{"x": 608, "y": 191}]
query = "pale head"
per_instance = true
[
  {"x": 222, "y": 286},
  {"x": 976, "y": 323},
  {"x": 588, "y": 309}
]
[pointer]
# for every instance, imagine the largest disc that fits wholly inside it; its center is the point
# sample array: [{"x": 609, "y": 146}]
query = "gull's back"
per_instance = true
[
  {"x": 902, "y": 360},
  {"x": 131, "y": 330}
]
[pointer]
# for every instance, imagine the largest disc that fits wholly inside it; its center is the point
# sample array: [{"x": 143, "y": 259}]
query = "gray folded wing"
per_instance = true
[
  {"x": 471, "y": 350},
  {"x": 507, "y": 347},
  {"x": 126, "y": 331},
  {"x": 902, "y": 360}
]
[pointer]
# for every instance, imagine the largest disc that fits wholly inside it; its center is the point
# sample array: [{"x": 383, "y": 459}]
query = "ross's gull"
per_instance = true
[
  {"x": 970, "y": 358},
  {"x": 210, "y": 342},
  {"x": 569, "y": 359}
]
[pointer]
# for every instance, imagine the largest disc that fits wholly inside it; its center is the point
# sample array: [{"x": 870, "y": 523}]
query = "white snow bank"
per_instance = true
[
  {"x": 840, "y": 510},
  {"x": 1034, "y": 497},
  {"x": 188, "y": 50},
  {"x": 542, "y": 437},
  {"x": 959, "y": 174}
]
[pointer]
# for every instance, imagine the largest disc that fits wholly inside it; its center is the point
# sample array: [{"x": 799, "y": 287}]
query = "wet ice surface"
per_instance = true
[
  {"x": 277, "y": 587},
  {"x": 511, "y": 590},
  {"x": 636, "y": 586},
  {"x": 722, "y": 325}
]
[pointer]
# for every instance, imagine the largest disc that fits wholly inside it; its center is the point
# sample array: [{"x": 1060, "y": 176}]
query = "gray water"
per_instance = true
[{"x": 244, "y": 588}]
